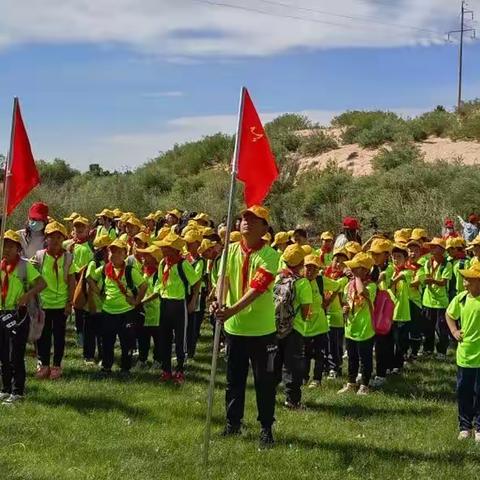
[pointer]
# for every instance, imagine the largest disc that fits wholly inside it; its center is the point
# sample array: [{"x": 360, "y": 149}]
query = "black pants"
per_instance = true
[
  {"x": 401, "y": 332},
  {"x": 384, "y": 348},
  {"x": 145, "y": 335},
  {"x": 92, "y": 335},
  {"x": 335, "y": 348},
  {"x": 193, "y": 332},
  {"x": 12, "y": 358},
  {"x": 315, "y": 349},
  {"x": 435, "y": 322},
  {"x": 261, "y": 353},
  {"x": 173, "y": 318},
  {"x": 123, "y": 325},
  {"x": 416, "y": 323},
  {"x": 468, "y": 397},
  {"x": 360, "y": 357},
  {"x": 80, "y": 316},
  {"x": 290, "y": 365},
  {"x": 55, "y": 325}
]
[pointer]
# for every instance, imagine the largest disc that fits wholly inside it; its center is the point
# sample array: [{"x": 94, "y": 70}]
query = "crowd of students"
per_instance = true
[{"x": 295, "y": 307}]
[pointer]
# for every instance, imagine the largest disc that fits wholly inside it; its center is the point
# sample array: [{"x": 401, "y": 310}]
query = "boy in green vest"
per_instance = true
[
  {"x": 463, "y": 318},
  {"x": 20, "y": 284},
  {"x": 106, "y": 225}
]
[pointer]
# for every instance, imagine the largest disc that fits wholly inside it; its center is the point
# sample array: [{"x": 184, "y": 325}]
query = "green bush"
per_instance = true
[
  {"x": 438, "y": 123},
  {"x": 400, "y": 153},
  {"x": 317, "y": 144}
]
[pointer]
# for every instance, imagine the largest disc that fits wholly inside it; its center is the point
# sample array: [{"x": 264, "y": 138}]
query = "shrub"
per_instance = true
[
  {"x": 317, "y": 144},
  {"x": 438, "y": 123},
  {"x": 400, "y": 154}
]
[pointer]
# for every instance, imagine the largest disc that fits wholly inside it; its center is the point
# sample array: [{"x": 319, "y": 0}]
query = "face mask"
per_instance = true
[{"x": 36, "y": 226}]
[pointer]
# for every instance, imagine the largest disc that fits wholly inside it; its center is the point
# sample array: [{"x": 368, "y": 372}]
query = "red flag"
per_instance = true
[
  {"x": 23, "y": 172},
  {"x": 256, "y": 164}
]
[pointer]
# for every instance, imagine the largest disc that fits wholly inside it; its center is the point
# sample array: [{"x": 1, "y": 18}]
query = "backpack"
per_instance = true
[
  {"x": 35, "y": 312},
  {"x": 382, "y": 316},
  {"x": 284, "y": 299},
  {"x": 39, "y": 259},
  {"x": 80, "y": 297}
]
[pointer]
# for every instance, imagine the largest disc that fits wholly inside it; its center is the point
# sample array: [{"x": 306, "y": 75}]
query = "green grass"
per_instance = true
[{"x": 82, "y": 427}]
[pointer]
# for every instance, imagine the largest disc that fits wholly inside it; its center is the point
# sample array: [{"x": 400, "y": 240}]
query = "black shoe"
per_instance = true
[
  {"x": 231, "y": 430},
  {"x": 266, "y": 438}
]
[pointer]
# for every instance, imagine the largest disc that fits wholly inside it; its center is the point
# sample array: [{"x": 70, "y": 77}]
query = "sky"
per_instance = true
[{"x": 115, "y": 82}]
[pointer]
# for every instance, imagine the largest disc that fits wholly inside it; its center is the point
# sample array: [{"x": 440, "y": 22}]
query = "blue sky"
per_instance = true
[{"x": 94, "y": 92}]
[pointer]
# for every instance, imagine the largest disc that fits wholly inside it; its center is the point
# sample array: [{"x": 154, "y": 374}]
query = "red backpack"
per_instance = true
[{"x": 382, "y": 317}]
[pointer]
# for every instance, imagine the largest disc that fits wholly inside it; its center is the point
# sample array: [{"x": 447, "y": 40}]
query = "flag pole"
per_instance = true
[
  {"x": 6, "y": 180},
  {"x": 221, "y": 288}
]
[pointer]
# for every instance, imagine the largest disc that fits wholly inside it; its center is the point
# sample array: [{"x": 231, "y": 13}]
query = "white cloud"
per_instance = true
[
  {"x": 197, "y": 28},
  {"x": 167, "y": 94}
]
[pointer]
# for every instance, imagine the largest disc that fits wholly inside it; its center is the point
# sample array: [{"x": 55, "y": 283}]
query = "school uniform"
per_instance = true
[
  {"x": 465, "y": 309},
  {"x": 14, "y": 284}
]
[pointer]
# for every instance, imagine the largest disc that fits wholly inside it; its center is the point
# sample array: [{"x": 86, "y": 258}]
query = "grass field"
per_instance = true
[{"x": 82, "y": 427}]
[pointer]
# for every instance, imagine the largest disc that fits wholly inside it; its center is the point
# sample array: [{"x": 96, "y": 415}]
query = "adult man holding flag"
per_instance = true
[{"x": 245, "y": 287}]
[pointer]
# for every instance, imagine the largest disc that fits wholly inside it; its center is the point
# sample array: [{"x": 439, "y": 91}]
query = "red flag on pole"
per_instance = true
[
  {"x": 256, "y": 164},
  {"x": 22, "y": 173}
]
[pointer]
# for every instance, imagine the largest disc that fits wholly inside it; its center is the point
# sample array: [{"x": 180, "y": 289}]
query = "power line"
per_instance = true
[
  {"x": 279, "y": 15},
  {"x": 367, "y": 19}
]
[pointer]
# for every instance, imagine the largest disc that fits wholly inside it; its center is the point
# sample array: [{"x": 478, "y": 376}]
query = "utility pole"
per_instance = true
[{"x": 463, "y": 29}]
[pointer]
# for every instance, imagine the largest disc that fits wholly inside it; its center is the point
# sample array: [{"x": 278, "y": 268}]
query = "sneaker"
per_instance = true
[
  {"x": 178, "y": 378},
  {"x": 358, "y": 380},
  {"x": 477, "y": 437},
  {"x": 266, "y": 437},
  {"x": 441, "y": 357},
  {"x": 294, "y": 406},
  {"x": 55, "y": 373},
  {"x": 42, "y": 372},
  {"x": 465, "y": 434},
  {"x": 396, "y": 371},
  {"x": 314, "y": 384},
  {"x": 4, "y": 396},
  {"x": 345, "y": 355},
  {"x": 349, "y": 387},
  {"x": 363, "y": 390},
  {"x": 332, "y": 375},
  {"x": 12, "y": 399},
  {"x": 388, "y": 372},
  {"x": 166, "y": 376},
  {"x": 231, "y": 430},
  {"x": 378, "y": 382},
  {"x": 89, "y": 362},
  {"x": 156, "y": 365}
]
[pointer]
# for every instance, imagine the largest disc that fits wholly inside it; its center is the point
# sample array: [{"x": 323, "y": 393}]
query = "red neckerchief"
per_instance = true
[
  {"x": 8, "y": 268},
  {"x": 434, "y": 269},
  {"x": 190, "y": 258},
  {"x": 398, "y": 269},
  {"x": 56, "y": 258},
  {"x": 169, "y": 262},
  {"x": 331, "y": 273},
  {"x": 323, "y": 251},
  {"x": 411, "y": 265},
  {"x": 460, "y": 256},
  {"x": 112, "y": 275},
  {"x": 247, "y": 252},
  {"x": 149, "y": 270}
]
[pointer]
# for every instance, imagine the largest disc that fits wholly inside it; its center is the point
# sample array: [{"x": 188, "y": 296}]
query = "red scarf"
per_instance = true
[
  {"x": 324, "y": 250},
  {"x": 247, "y": 252},
  {"x": 411, "y": 265},
  {"x": 149, "y": 270},
  {"x": 399, "y": 269},
  {"x": 112, "y": 275},
  {"x": 169, "y": 262},
  {"x": 7, "y": 268},
  {"x": 331, "y": 273}
]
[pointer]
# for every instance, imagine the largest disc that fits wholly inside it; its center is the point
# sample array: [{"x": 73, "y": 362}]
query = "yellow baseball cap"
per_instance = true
[
  {"x": 235, "y": 236},
  {"x": 13, "y": 236},
  {"x": 102, "y": 242},
  {"x": 222, "y": 231},
  {"x": 352, "y": 247},
  {"x": 202, "y": 216},
  {"x": 293, "y": 255},
  {"x": 457, "y": 242},
  {"x": 150, "y": 216},
  {"x": 207, "y": 231},
  {"x": 162, "y": 233},
  {"x": 117, "y": 213},
  {"x": 143, "y": 237},
  {"x": 327, "y": 236},
  {"x": 258, "y": 211},
  {"x": 400, "y": 246},
  {"x": 159, "y": 214},
  {"x": 418, "y": 234},
  {"x": 472, "y": 272},
  {"x": 436, "y": 242},
  {"x": 280, "y": 239},
  {"x": 72, "y": 216},
  {"x": 106, "y": 213},
  {"x": 193, "y": 236},
  {"x": 175, "y": 212},
  {"x": 267, "y": 237},
  {"x": 307, "y": 249},
  {"x": 205, "y": 245},
  {"x": 290, "y": 233},
  {"x": 313, "y": 260},
  {"x": 402, "y": 235},
  {"x": 132, "y": 220},
  {"x": 119, "y": 244},
  {"x": 172, "y": 240},
  {"x": 153, "y": 250},
  {"x": 360, "y": 260},
  {"x": 54, "y": 226},
  {"x": 380, "y": 246},
  {"x": 81, "y": 220},
  {"x": 340, "y": 251}
]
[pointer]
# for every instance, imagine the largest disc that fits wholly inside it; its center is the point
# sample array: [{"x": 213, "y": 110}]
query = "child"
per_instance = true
[
  {"x": 300, "y": 236},
  {"x": 316, "y": 329},
  {"x": 465, "y": 309},
  {"x": 20, "y": 284},
  {"x": 474, "y": 250},
  {"x": 438, "y": 272},
  {"x": 335, "y": 313},
  {"x": 106, "y": 225},
  {"x": 326, "y": 248},
  {"x": 56, "y": 267},
  {"x": 176, "y": 277},
  {"x": 359, "y": 333},
  {"x": 457, "y": 257},
  {"x": 293, "y": 301},
  {"x": 124, "y": 290}
]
